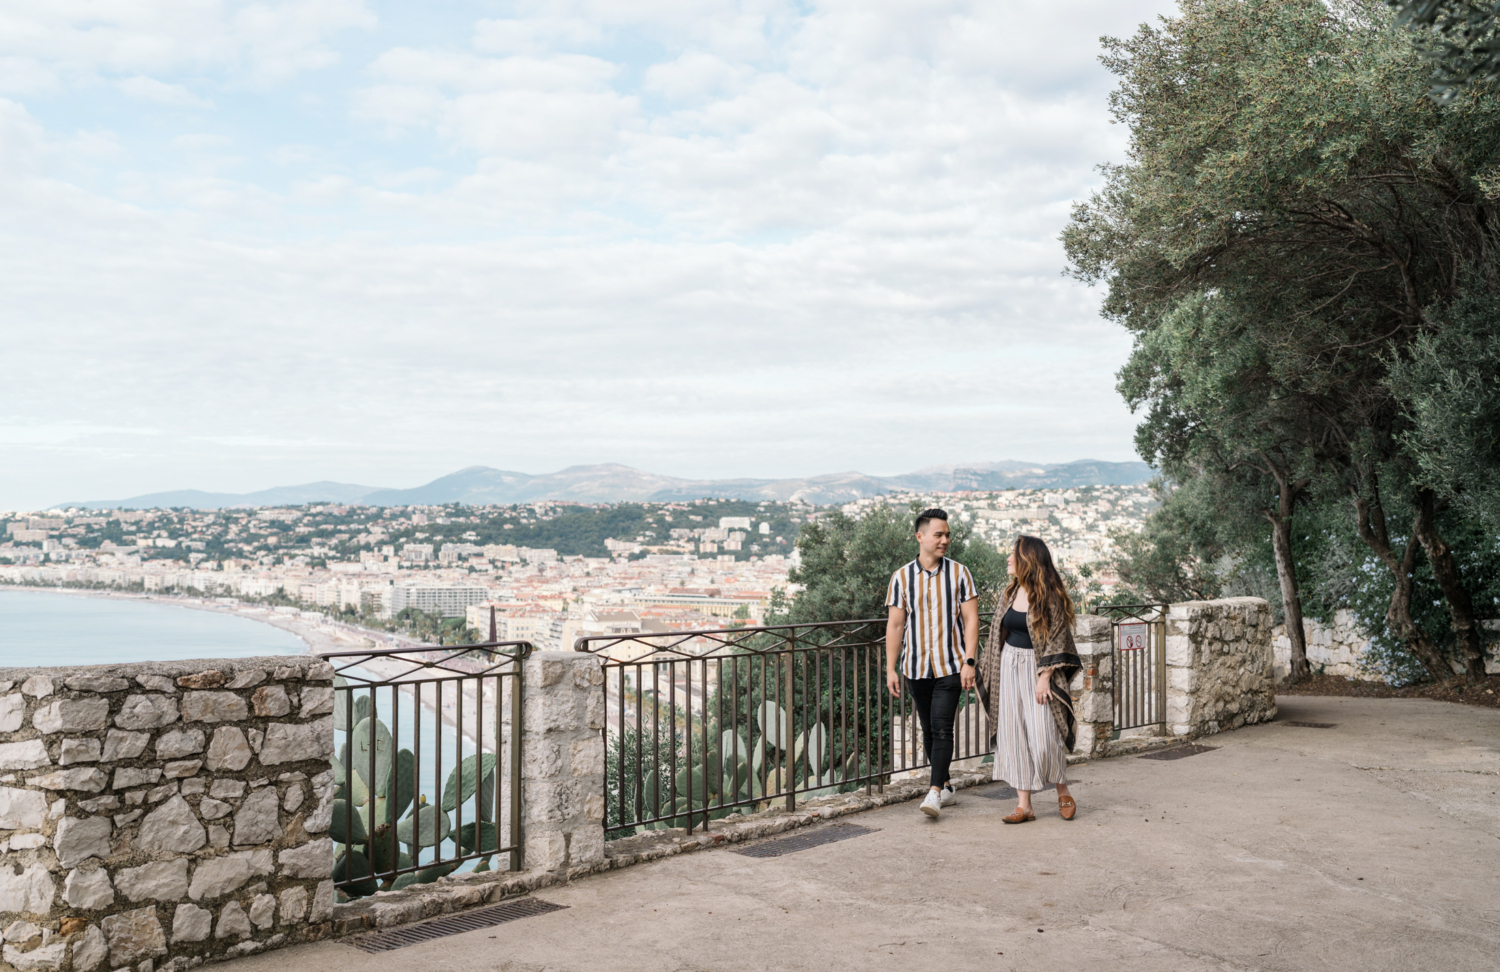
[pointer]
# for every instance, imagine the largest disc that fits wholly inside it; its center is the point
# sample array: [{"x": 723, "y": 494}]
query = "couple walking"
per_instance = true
[{"x": 932, "y": 645}]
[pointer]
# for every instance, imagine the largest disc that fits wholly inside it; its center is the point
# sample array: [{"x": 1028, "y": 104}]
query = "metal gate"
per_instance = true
[
  {"x": 1139, "y": 636},
  {"x": 428, "y": 768}
]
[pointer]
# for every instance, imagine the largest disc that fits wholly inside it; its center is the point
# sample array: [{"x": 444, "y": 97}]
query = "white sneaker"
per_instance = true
[
  {"x": 947, "y": 797},
  {"x": 933, "y": 805}
]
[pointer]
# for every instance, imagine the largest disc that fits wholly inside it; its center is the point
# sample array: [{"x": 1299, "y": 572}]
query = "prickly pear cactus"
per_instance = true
[{"x": 377, "y": 812}]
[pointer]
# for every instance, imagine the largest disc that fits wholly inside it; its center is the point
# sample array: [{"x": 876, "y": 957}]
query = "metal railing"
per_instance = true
[
  {"x": 1139, "y": 636},
  {"x": 702, "y": 724},
  {"x": 428, "y": 764}
]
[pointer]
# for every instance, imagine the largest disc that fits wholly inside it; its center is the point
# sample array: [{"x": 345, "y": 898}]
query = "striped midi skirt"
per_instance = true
[{"x": 1029, "y": 752}]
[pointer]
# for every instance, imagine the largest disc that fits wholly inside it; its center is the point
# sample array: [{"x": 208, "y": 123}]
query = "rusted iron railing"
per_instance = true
[
  {"x": 428, "y": 763},
  {"x": 702, "y": 724}
]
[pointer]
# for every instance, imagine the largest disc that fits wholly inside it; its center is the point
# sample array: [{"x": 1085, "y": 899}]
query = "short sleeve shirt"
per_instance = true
[{"x": 934, "y": 639}]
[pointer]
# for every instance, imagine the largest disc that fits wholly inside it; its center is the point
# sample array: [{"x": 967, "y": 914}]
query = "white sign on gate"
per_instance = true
[{"x": 1133, "y": 637}]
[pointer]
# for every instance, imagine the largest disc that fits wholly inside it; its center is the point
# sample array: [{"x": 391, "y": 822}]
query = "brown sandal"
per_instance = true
[
  {"x": 1066, "y": 807},
  {"x": 1019, "y": 816}
]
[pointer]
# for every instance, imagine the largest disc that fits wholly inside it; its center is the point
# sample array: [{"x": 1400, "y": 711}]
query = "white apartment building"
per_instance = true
[
  {"x": 416, "y": 552},
  {"x": 453, "y": 552},
  {"x": 446, "y": 600}
]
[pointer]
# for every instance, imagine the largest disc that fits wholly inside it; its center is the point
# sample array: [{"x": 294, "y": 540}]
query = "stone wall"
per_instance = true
[
  {"x": 1339, "y": 648},
  {"x": 157, "y": 815},
  {"x": 1093, "y": 688},
  {"x": 1219, "y": 665}
]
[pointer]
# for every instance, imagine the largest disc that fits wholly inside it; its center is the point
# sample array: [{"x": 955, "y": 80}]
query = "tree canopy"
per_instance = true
[
  {"x": 1459, "y": 38},
  {"x": 1292, "y": 242}
]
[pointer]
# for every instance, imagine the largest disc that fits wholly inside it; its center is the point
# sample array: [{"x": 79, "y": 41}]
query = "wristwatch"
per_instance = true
[{"x": 970, "y": 661}]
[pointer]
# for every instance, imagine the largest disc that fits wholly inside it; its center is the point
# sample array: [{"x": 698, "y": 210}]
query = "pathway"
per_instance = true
[{"x": 1369, "y": 846}]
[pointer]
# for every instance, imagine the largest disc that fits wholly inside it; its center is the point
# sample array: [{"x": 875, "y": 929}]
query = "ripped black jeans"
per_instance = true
[{"x": 936, "y": 702}]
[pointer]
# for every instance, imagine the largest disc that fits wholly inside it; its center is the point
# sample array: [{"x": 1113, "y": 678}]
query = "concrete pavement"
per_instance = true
[{"x": 1369, "y": 846}]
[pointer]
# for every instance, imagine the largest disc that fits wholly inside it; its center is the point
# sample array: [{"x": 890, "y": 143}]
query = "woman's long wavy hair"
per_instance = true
[{"x": 1044, "y": 586}]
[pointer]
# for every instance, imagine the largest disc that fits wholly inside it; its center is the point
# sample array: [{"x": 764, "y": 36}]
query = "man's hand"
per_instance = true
[
  {"x": 893, "y": 682},
  {"x": 966, "y": 675},
  {"x": 1043, "y": 689}
]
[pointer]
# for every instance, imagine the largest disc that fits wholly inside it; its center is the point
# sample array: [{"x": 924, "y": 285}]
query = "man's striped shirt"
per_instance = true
[{"x": 934, "y": 640}]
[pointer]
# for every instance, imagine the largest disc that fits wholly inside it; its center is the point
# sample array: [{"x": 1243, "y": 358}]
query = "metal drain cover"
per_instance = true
[
  {"x": 777, "y": 846},
  {"x": 1179, "y": 752},
  {"x": 1311, "y": 725},
  {"x": 1001, "y": 792},
  {"x": 453, "y": 924}
]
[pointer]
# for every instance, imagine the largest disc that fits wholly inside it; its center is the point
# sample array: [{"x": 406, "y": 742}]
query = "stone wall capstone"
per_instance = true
[{"x": 154, "y": 816}]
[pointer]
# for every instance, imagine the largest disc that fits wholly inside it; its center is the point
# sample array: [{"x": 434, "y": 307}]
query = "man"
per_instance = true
[{"x": 932, "y": 640}]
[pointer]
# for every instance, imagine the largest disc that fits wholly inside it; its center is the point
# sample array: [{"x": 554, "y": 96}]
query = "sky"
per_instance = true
[{"x": 257, "y": 244}]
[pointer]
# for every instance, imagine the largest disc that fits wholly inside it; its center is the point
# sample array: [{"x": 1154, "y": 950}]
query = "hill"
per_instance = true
[{"x": 613, "y": 483}]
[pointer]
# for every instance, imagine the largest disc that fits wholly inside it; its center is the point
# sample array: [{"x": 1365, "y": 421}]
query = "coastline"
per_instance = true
[{"x": 319, "y": 636}]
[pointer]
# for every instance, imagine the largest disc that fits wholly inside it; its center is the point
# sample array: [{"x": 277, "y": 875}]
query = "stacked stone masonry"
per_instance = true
[
  {"x": 154, "y": 816},
  {"x": 1093, "y": 687},
  {"x": 1219, "y": 666},
  {"x": 562, "y": 762},
  {"x": 1340, "y": 648}
]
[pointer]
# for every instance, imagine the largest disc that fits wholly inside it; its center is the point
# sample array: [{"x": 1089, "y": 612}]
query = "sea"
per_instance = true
[{"x": 48, "y": 628}]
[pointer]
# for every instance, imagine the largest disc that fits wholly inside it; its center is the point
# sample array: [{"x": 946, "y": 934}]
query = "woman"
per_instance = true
[{"x": 1029, "y": 661}]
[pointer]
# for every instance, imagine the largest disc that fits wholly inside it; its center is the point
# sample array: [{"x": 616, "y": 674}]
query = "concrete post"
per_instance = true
[{"x": 562, "y": 762}]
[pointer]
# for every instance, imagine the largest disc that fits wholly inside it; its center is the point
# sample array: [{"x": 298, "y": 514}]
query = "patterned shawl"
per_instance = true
[{"x": 1060, "y": 653}]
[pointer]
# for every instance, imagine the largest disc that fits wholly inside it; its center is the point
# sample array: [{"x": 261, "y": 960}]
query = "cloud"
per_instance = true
[
  {"x": 150, "y": 89},
  {"x": 201, "y": 142},
  {"x": 46, "y": 44},
  {"x": 534, "y": 35},
  {"x": 695, "y": 76},
  {"x": 708, "y": 238},
  {"x": 513, "y": 107}
]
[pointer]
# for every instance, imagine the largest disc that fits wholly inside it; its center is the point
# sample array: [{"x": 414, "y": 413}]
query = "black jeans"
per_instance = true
[{"x": 936, "y": 702}]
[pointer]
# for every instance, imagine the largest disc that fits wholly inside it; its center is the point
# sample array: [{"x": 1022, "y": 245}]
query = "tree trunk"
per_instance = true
[
  {"x": 1445, "y": 570},
  {"x": 1369, "y": 517},
  {"x": 1288, "y": 491},
  {"x": 1291, "y": 598}
]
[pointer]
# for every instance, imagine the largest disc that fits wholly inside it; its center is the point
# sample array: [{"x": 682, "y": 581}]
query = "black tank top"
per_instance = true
[{"x": 1016, "y": 634}]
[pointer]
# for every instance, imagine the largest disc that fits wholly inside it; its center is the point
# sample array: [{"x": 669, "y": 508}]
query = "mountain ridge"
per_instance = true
[{"x": 614, "y": 483}]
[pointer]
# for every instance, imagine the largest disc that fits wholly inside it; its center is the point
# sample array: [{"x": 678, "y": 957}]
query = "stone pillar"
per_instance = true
[
  {"x": 161, "y": 814},
  {"x": 1220, "y": 665},
  {"x": 1093, "y": 689},
  {"x": 562, "y": 762}
]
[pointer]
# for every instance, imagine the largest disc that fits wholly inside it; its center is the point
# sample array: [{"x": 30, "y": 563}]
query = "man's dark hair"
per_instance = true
[{"x": 926, "y": 516}]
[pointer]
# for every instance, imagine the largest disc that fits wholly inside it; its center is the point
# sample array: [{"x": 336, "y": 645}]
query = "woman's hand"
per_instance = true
[{"x": 1043, "y": 689}]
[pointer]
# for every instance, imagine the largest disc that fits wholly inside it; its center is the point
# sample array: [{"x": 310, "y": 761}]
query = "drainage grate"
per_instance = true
[
  {"x": 1179, "y": 752},
  {"x": 453, "y": 924},
  {"x": 808, "y": 838},
  {"x": 1001, "y": 792},
  {"x": 1311, "y": 725}
]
